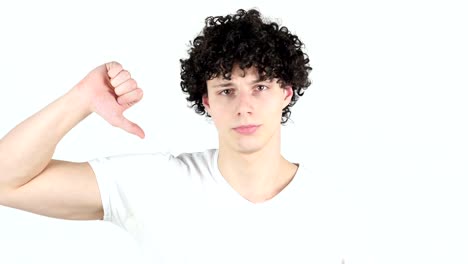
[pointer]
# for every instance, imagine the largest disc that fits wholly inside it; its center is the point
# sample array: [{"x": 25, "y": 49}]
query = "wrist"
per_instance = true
[{"x": 80, "y": 100}]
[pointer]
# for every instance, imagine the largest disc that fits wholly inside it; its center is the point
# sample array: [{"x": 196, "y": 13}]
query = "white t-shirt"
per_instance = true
[{"x": 180, "y": 209}]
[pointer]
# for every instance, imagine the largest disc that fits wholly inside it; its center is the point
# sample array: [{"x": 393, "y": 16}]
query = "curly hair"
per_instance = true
[{"x": 244, "y": 39}]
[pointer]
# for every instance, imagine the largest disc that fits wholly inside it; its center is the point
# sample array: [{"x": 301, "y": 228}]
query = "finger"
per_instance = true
[
  {"x": 131, "y": 98},
  {"x": 125, "y": 87},
  {"x": 131, "y": 127},
  {"x": 113, "y": 68},
  {"x": 120, "y": 78}
]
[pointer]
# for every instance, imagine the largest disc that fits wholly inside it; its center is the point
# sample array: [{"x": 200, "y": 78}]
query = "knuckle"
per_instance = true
[
  {"x": 117, "y": 65},
  {"x": 139, "y": 92},
  {"x": 114, "y": 67},
  {"x": 117, "y": 87},
  {"x": 126, "y": 74},
  {"x": 113, "y": 82},
  {"x": 132, "y": 82},
  {"x": 121, "y": 99}
]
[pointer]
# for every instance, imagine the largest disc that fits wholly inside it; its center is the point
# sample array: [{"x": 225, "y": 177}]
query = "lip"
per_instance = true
[{"x": 247, "y": 129}]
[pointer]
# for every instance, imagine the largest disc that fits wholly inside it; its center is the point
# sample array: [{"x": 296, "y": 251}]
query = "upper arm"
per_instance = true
[{"x": 66, "y": 190}]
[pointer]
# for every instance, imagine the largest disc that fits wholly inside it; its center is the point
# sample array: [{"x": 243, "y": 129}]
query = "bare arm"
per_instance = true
[{"x": 31, "y": 181}]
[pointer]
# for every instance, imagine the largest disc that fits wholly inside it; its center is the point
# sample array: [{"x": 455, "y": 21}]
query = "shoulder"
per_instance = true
[
  {"x": 203, "y": 157},
  {"x": 156, "y": 162},
  {"x": 199, "y": 166},
  {"x": 151, "y": 158}
]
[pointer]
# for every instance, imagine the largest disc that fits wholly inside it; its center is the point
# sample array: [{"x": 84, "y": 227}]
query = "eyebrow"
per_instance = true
[{"x": 227, "y": 84}]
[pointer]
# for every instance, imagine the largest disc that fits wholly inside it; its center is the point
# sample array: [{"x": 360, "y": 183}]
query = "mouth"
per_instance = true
[{"x": 247, "y": 129}]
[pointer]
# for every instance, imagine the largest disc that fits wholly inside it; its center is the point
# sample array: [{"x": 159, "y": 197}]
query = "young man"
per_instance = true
[{"x": 241, "y": 203}]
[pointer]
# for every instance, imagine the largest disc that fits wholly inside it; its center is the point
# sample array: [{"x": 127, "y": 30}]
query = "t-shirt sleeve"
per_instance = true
[{"x": 130, "y": 183}]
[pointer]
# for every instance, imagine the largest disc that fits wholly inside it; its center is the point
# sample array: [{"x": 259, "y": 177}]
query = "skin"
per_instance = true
[
  {"x": 252, "y": 163},
  {"x": 30, "y": 180}
]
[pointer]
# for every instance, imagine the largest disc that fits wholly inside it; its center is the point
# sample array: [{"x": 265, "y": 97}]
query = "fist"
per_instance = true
[{"x": 111, "y": 90}]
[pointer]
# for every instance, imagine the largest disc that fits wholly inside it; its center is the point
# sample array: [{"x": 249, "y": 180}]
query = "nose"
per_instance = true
[{"x": 244, "y": 103}]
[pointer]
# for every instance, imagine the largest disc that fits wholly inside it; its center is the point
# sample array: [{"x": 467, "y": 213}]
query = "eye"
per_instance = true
[
  {"x": 226, "y": 92},
  {"x": 262, "y": 87}
]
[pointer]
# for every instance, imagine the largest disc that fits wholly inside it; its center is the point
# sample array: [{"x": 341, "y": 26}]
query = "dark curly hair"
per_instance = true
[{"x": 246, "y": 40}]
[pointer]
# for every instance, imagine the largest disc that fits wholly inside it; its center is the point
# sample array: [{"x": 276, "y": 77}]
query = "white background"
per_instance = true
[{"x": 387, "y": 112}]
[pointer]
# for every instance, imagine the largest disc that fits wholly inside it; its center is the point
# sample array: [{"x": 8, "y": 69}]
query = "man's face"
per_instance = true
[{"x": 246, "y": 111}]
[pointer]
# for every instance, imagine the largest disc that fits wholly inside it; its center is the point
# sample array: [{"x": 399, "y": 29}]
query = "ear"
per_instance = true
[
  {"x": 206, "y": 103},
  {"x": 288, "y": 94}
]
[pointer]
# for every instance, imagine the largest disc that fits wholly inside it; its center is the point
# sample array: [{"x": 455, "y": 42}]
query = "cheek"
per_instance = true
[
  {"x": 274, "y": 106},
  {"x": 218, "y": 116},
  {"x": 222, "y": 108}
]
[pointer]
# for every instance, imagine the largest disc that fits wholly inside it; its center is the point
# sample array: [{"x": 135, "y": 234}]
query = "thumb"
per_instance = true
[{"x": 130, "y": 127}]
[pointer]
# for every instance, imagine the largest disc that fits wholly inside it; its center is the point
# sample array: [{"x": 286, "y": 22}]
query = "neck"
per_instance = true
[{"x": 257, "y": 176}]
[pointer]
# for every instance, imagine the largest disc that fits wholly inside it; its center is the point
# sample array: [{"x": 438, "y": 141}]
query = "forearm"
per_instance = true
[{"x": 27, "y": 149}]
